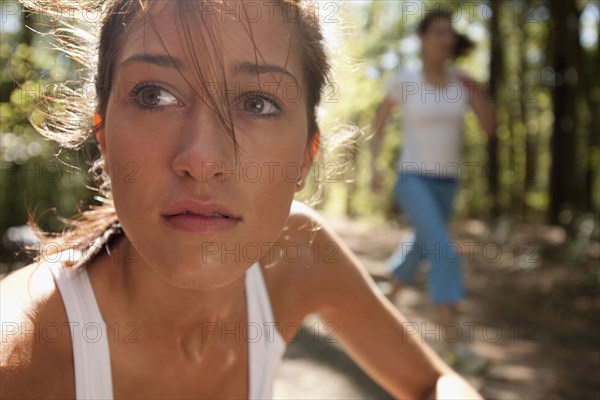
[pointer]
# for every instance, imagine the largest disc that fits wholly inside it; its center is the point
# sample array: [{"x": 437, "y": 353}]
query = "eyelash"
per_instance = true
[
  {"x": 248, "y": 95},
  {"x": 140, "y": 87}
]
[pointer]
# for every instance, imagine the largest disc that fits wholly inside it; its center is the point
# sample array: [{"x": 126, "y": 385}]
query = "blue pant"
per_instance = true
[{"x": 428, "y": 204}]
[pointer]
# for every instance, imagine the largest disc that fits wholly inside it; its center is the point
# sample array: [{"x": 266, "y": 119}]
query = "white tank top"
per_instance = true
[
  {"x": 90, "y": 336},
  {"x": 433, "y": 120}
]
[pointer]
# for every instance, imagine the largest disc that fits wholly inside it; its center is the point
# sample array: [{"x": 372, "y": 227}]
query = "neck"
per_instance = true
[
  {"x": 156, "y": 306},
  {"x": 434, "y": 70}
]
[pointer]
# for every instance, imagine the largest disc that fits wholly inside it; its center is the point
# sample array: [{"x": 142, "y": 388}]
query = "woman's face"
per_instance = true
[
  {"x": 197, "y": 213},
  {"x": 438, "y": 40}
]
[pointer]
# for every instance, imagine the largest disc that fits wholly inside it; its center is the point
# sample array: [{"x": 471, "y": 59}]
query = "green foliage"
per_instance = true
[{"x": 33, "y": 179}]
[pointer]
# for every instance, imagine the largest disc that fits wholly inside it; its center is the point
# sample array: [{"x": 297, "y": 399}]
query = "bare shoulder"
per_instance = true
[
  {"x": 315, "y": 267},
  {"x": 35, "y": 357}
]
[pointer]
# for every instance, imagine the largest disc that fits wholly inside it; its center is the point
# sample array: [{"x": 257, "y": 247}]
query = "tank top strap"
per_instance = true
[
  {"x": 265, "y": 344},
  {"x": 91, "y": 355}
]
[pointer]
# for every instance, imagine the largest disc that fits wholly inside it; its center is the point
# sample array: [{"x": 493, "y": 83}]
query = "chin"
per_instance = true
[{"x": 198, "y": 272}]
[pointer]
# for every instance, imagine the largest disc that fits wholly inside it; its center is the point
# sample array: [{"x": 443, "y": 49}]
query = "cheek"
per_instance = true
[
  {"x": 131, "y": 164},
  {"x": 279, "y": 166},
  {"x": 272, "y": 208},
  {"x": 448, "y": 39},
  {"x": 130, "y": 148},
  {"x": 122, "y": 167},
  {"x": 428, "y": 43},
  {"x": 273, "y": 172}
]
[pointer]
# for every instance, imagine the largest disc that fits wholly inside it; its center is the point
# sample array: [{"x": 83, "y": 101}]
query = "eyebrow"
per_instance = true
[
  {"x": 156, "y": 59},
  {"x": 250, "y": 68},
  {"x": 244, "y": 67}
]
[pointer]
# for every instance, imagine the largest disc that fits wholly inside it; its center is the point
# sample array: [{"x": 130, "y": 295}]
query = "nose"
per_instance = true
[{"x": 205, "y": 148}]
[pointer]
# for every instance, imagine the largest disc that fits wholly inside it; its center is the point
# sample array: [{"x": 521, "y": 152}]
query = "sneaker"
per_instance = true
[{"x": 469, "y": 362}]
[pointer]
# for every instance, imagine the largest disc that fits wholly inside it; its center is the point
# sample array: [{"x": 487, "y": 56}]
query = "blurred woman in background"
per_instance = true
[{"x": 434, "y": 101}]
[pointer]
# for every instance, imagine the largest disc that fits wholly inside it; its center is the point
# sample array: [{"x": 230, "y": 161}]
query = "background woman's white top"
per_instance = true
[{"x": 433, "y": 120}]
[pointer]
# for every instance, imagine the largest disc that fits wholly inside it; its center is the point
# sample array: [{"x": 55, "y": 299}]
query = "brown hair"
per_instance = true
[
  {"x": 463, "y": 44},
  {"x": 70, "y": 121}
]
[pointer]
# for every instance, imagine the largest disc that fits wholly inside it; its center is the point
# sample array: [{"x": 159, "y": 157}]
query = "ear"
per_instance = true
[
  {"x": 309, "y": 155},
  {"x": 315, "y": 143},
  {"x": 100, "y": 132}
]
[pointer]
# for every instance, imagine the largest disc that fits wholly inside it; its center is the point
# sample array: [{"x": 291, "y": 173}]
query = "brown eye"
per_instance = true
[
  {"x": 153, "y": 96},
  {"x": 254, "y": 105},
  {"x": 259, "y": 106},
  {"x": 150, "y": 96}
]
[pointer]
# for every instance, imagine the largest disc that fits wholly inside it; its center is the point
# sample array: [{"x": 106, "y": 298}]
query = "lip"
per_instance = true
[{"x": 193, "y": 216}]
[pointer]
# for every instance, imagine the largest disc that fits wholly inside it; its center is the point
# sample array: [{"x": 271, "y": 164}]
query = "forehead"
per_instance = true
[
  {"x": 441, "y": 23},
  {"x": 209, "y": 33}
]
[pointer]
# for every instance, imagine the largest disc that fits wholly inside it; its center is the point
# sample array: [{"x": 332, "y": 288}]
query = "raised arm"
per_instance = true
[
  {"x": 383, "y": 113},
  {"x": 482, "y": 105},
  {"x": 371, "y": 330}
]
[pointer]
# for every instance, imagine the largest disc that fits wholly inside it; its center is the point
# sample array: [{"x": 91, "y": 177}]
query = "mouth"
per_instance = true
[
  {"x": 196, "y": 217},
  {"x": 207, "y": 215}
]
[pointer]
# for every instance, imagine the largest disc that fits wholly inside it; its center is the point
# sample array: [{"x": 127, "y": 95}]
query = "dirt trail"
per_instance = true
[{"x": 526, "y": 312}]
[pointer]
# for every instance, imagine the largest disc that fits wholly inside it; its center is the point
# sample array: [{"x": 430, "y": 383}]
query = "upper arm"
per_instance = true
[
  {"x": 394, "y": 89},
  {"x": 394, "y": 96},
  {"x": 481, "y": 103},
  {"x": 385, "y": 109},
  {"x": 383, "y": 113},
  {"x": 368, "y": 326}
]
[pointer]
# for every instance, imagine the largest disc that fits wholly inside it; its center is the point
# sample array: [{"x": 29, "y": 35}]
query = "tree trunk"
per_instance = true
[
  {"x": 592, "y": 166},
  {"x": 527, "y": 111},
  {"x": 563, "y": 173},
  {"x": 496, "y": 74}
]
